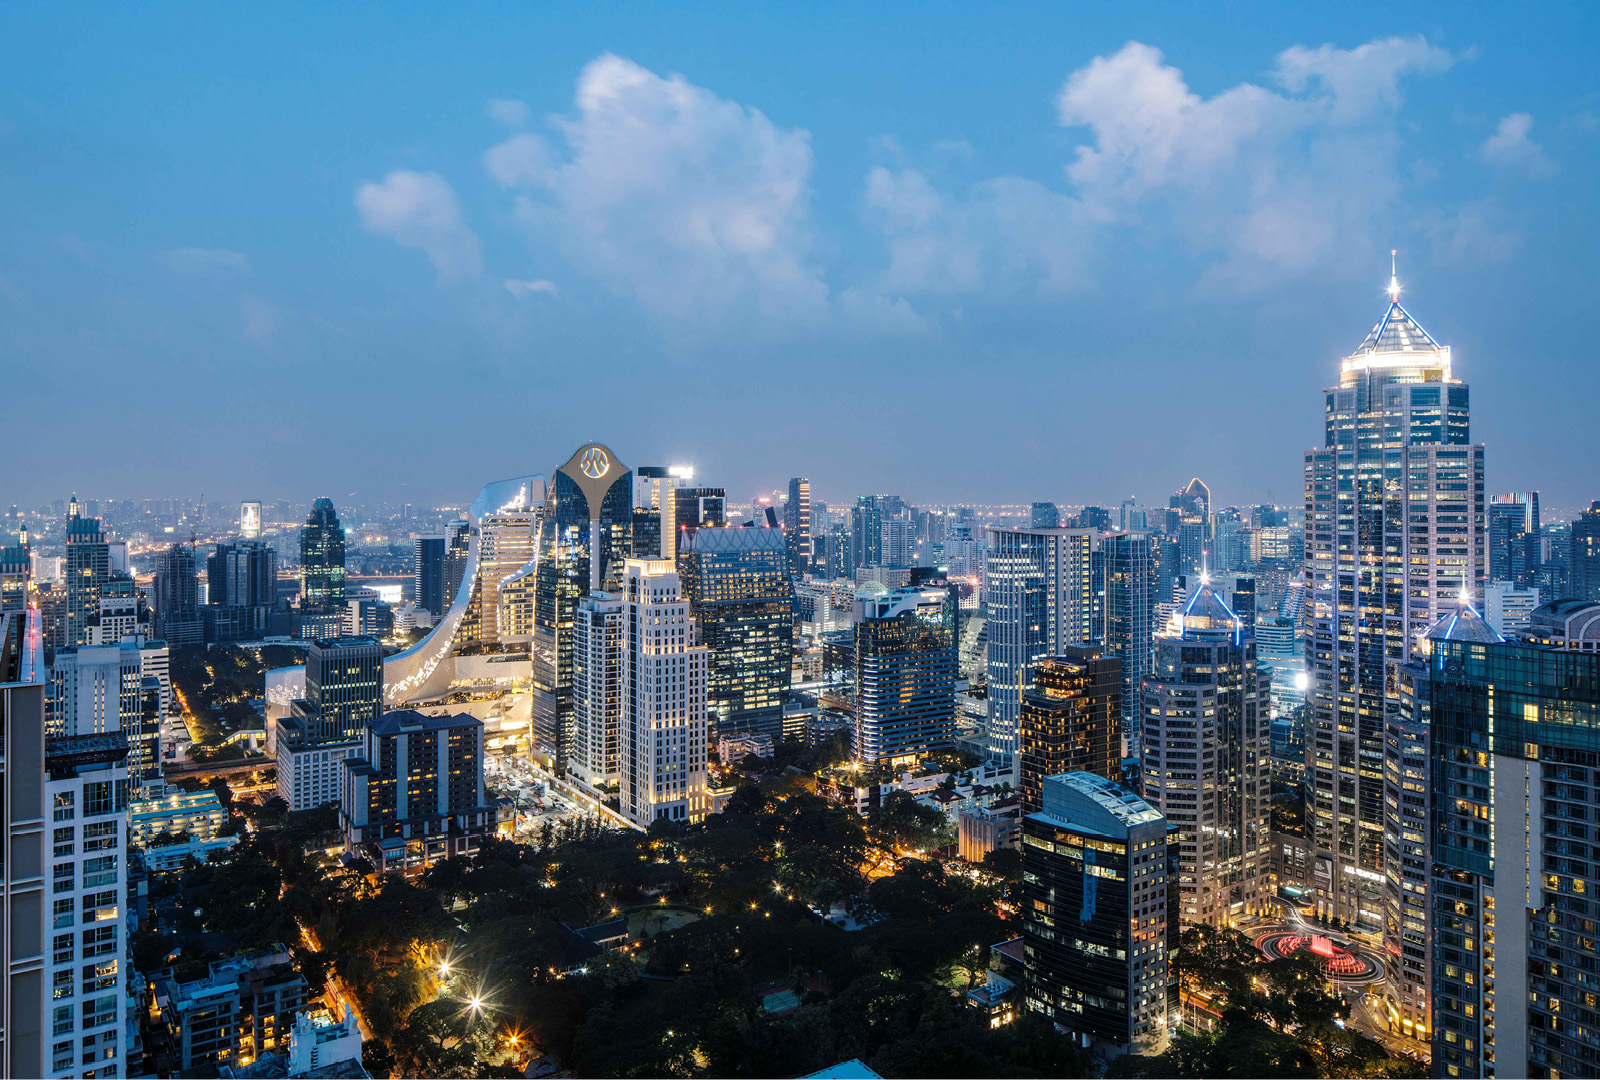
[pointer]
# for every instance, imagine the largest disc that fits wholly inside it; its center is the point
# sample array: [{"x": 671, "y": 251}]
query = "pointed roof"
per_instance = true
[
  {"x": 1463, "y": 624},
  {"x": 1397, "y": 331},
  {"x": 1207, "y": 612}
]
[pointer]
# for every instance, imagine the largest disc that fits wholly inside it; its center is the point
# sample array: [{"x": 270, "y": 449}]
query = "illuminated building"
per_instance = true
[
  {"x": 1394, "y": 535},
  {"x": 23, "y": 899},
  {"x": 1583, "y": 560},
  {"x": 1097, "y": 930},
  {"x": 1044, "y": 515},
  {"x": 1514, "y": 540},
  {"x": 97, "y": 689},
  {"x": 584, "y": 540},
  {"x": 322, "y": 558},
  {"x": 1071, "y": 719},
  {"x": 1206, "y": 733},
  {"x": 415, "y": 794},
  {"x": 597, "y": 688},
  {"x": 427, "y": 572},
  {"x": 344, "y": 687},
  {"x": 797, "y": 525},
  {"x": 905, "y": 671},
  {"x": 662, "y": 720},
  {"x": 250, "y": 520},
  {"x": 738, "y": 583},
  {"x": 1507, "y": 606},
  {"x": 177, "y": 597},
  {"x": 15, "y": 571},
  {"x": 86, "y": 570}
]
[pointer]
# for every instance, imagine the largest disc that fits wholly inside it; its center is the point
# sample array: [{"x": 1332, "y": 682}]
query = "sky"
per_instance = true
[{"x": 988, "y": 253}]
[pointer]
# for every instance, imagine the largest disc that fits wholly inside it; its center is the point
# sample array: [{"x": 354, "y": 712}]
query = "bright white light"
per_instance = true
[{"x": 1301, "y": 681}]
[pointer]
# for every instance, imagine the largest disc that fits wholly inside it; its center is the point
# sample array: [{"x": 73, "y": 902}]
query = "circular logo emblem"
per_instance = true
[{"x": 594, "y": 463}]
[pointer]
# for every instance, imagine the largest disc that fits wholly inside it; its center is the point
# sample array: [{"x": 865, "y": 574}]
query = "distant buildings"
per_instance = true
[
  {"x": 1507, "y": 606},
  {"x": 86, "y": 571},
  {"x": 1583, "y": 560},
  {"x": 322, "y": 558},
  {"x": 742, "y": 594},
  {"x": 427, "y": 572},
  {"x": 905, "y": 671},
  {"x": 797, "y": 525},
  {"x": 1097, "y": 933},
  {"x": 662, "y": 722}
]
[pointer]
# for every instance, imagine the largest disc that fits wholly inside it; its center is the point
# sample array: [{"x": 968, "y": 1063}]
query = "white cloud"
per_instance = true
[
  {"x": 1511, "y": 146},
  {"x": 202, "y": 260},
  {"x": 509, "y": 112},
  {"x": 1273, "y": 180},
  {"x": 527, "y": 288},
  {"x": 696, "y": 205},
  {"x": 1474, "y": 234},
  {"x": 419, "y": 210}
]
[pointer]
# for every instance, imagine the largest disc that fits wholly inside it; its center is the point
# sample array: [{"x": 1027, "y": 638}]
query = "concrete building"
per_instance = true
[
  {"x": 1507, "y": 606},
  {"x": 597, "y": 688},
  {"x": 23, "y": 680}
]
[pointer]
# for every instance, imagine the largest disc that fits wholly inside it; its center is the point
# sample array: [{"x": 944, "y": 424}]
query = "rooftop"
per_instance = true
[
  {"x": 399, "y": 720},
  {"x": 1396, "y": 332},
  {"x": 1462, "y": 624}
]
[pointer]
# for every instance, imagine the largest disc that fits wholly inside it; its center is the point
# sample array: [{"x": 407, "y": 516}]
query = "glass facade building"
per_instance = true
[
  {"x": 321, "y": 558},
  {"x": 905, "y": 671},
  {"x": 1071, "y": 718}
]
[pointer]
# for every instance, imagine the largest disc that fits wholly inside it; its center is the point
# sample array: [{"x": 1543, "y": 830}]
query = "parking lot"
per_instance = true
[{"x": 536, "y": 801}]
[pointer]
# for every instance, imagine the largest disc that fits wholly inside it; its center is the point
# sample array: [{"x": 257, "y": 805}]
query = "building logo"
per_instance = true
[{"x": 594, "y": 463}]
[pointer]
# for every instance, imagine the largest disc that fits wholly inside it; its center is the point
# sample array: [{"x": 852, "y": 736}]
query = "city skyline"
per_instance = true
[{"x": 862, "y": 269}]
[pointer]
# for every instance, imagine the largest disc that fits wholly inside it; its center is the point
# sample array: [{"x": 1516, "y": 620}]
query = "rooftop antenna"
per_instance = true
[{"x": 1394, "y": 278}]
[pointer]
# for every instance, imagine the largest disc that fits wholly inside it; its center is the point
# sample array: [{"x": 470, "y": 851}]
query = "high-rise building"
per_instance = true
[
  {"x": 1394, "y": 536},
  {"x": 96, "y": 689},
  {"x": 427, "y": 572},
  {"x": 242, "y": 575},
  {"x": 1583, "y": 559},
  {"x": 177, "y": 598},
  {"x": 87, "y": 569},
  {"x": 797, "y": 525},
  {"x": 506, "y": 544},
  {"x": 23, "y": 900},
  {"x": 700, "y": 507},
  {"x": 1098, "y": 929},
  {"x": 596, "y": 688},
  {"x": 322, "y": 559},
  {"x": 738, "y": 582},
  {"x": 250, "y": 520},
  {"x": 662, "y": 723},
  {"x": 899, "y": 541},
  {"x": 16, "y": 570},
  {"x": 1130, "y": 617},
  {"x": 585, "y": 538},
  {"x": 866, "y": 527},
  {"x": 457, "y": 553},
  {"x": 1513, "y": 545},
  {"x": 1190, "y": 527},
  {"x": 1206, "y": 722},
  {"x": 1514, "y": 732},
  {"x": 905, "y": 671},
  {"x": 1046, "y": 591},
  {"x": 1507, "y": 606},
  {"x": 658, "y": 498},
  {"x": 344, "y": 687},
  {"x": 415, "y": 794},
  {"x": 1071, "y": 719},
  {"x": 1044, "y": 515}
]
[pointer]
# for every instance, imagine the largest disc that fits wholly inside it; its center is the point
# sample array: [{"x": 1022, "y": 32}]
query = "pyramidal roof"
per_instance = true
[
  {"x": 1463, "y": 624},
  {"x": 1397, "y": 331},
  {"x": 1207, "y": 611}
]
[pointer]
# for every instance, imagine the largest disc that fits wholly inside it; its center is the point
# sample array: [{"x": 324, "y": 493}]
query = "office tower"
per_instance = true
[
  {"x": 596, "y": 688},
  {"x": 22, "y": 779},
  {"x": 697, "y": 508},
  {"x": 1097, "y": 929},
  {"x": 584, "y": 542},
  {"x": 1044, "y": 515},
  {"x": 243, "y": 575},
  {"x": 427, "y": 572},
  {"x": 1583, "y": 559},
  {"x": 1131, "y": 517},
  {"x": 658, "y": 495},
  {"x": 646, "y": 533},
  {"x": 1238, "y": 591},
  {"x": 839, "y": 563},
  {"x": 86, "y": 570},
  {"x": 1514, "y": 732},
  {"x": 1095, "y": 517},
  {"x": 662, "y": 726},
  {"x": 322, "y": 559},
  {"x": 1506, "y": 607},
  {"x": 1130, "y": 605},
  {"x": 1207, "y": 742},
  {"x": 1394, "y": 535},
  {"x": 1071, "y": 719},
  {"x": 344, "y": 687},
  {"x": 1189, "y": 525},
  {"x": 120, "y": 612},
  {"x": 506, "y": 545},
  {"x": 177, "y": 598},
  {"x": 738, "y": 582},
  {"x": 866, "y": 528},
  {"x": 96, "y": 689},
  {"x": 1045, "y": 592},
  {"x": 15, "y": 572},
  {"x": 905, "y": 671},
  {"x": 250, "y": 520},
  {"x": 1513, "y": 545},
  {"x": 797, "y": 525},
  {"x": 415, "y": 795},
  {"x": 1230, "y": 541},
  {"x": 457, "y": 546}
]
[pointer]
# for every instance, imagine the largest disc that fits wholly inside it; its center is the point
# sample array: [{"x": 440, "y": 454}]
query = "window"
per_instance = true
[
  {"x": 64, "y": 803},
  {"x": 63, "y": 984},
  {"x": 63, "y": 1019},
  {"x": 101, "y": 835},
  {"x": 63, "y": 841},
  {"x": 101, "y": 871},
  {"x": 62, "y": 950},
  {"x": 64, "y": 875},
  {"x": 63, "y": 912}
]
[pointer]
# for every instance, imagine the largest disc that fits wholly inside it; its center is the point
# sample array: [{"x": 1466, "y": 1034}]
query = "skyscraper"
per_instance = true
[
  {"x": 597, "y": 688},
  {"x": 662, "y": 726},
  {"x": 1044, "y": 515},
  {"x": 23, "y": 806},
  {"x": 797, "y": 525},
  {"x": 177, "y": 612},
  {"x": 1206, "y": 723},
  {"x": 321, "y": 559},
  {"x": 250, "y": 520},
  {"x": 1394, "y": 536},
  {"x": 1071, "y": 720},
  {"x": 1130, "y": 617},
  {"x": 87, "y": 569},
  {"x": 1514, "y": 537},
  {"x": 427, "y": 572},
  {"x": 905, "y": 671},
  {"x": 1098, "y": 925},
  {"x": 742, "y": 594},
  {"x": 1583, "y": 560},
  {"x": 585, "y": 538},
  {"x": 344, "y": 687}
]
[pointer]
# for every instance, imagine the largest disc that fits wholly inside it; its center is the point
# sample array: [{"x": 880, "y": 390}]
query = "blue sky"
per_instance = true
[{"x": 962, "y": 252}]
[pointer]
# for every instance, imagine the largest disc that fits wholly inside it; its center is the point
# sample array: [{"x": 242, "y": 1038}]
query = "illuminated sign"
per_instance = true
[{"x": 594, "y": 463}]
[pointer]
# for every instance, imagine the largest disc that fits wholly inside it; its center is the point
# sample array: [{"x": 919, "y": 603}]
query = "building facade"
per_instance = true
[
  {"x": 24, "y": 899},
  {"x": 322, "y": 558},
  {"x": 905, "y": 672},
  {"x": 1071, "y": 719},
  {"x": 597, "y": 688}
]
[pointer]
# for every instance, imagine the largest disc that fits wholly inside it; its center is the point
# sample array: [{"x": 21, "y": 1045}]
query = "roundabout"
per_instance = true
[{"x": 1335, "y": 961}]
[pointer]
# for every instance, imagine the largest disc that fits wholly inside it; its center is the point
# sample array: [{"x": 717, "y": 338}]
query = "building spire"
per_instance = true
[{"x": 1394, "y": 279}]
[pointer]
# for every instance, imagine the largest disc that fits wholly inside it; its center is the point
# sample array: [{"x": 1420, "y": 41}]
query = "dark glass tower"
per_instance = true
[
  {"x": 585, "y": 537},
  {"x": 427, "y": 573},
  {"x": 797, "y": 525},
  {"x": 321, "y": 558},
  {"x": 1071, "y": 719},
  {"x": 344, "y": 687},
  {"x": 86, "y": 571},
  {"x": 905, "y": 668}
]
